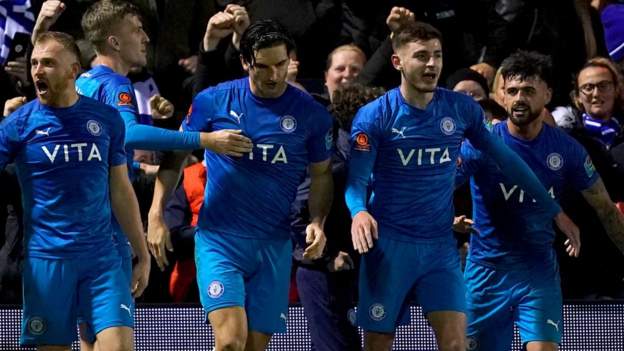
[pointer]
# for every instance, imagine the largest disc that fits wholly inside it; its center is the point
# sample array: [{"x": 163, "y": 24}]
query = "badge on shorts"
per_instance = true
[
  {"x": 472, "y": 344},
  {"x": 352, "y": 317},
  {"x": 377, "y": 312},
  {"x": 36, "y": 326},
  {"x": 215, "y": 289}
]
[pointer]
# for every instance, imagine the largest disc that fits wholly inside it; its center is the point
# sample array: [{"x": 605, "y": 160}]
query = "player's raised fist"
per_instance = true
[
  {"x": 161, "y": 107},
  {"x": 51, "y": 10}
]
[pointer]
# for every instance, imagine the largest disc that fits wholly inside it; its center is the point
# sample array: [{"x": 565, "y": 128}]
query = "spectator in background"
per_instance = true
[
  {"x": 181, "y": 216},
  {"x": 11, "y": 228},
  {"x": 612, "y": 15},
  {"x": 596, "y": 121},
  {"x": 328, "y": 285},
  {"x": 469, "y": 82},
  {"x": 344, "y": 64},
  {"x": 174, "y": 28},
  {"x": 16, "y": 24},
  {"x": 569, "y": 31}
]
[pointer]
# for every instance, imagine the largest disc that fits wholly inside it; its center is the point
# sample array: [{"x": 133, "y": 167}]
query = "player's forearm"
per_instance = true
[
  {"x": 613, "y": 223},
  {"x": 166, "y": 180},
  {"x": 514, "y": 168},
  {"x": 126, "y": 210},
  {"x": 355, "y": 196},
  {"x": 360, "y": 168},
  {"x": 611, "y": 218},
  {"x": 144, "y": 137},
  {"x": 321, "y": 196}
]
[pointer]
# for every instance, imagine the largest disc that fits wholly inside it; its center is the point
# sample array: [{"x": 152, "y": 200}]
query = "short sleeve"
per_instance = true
[
  {"x": 365, "y": 130},
  {"x": 320, "y": 142},
  {"x": 470, "y": 161},
  {"x": 476, "y": 129},
  {"x": 199, "y": 116},
  {"x": 9, "y": 140},
  {"x": 582, "y": 173},
  {"x": 123, "y": 99},
  {"x": 117, "y": 152}
]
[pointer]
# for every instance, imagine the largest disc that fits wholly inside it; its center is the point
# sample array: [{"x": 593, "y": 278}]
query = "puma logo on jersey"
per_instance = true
[
  {"x": 237, "y": 116},
  {"x": 430, "y": 156},
  {"x": 80, "y": 149},
  {"x": 507, "y": 193},
  {"x": 399, "y": 132},
  {"x": 45, "y": 132}
]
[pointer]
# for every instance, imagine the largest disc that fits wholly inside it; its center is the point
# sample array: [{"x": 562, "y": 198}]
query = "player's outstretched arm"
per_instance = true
[
  {"x": 158, "y": 236},
  {"x": 364, "y": 226},
  {"x": 319, "y": 203},
  {"x": 126, "y": 209},
  {"x": 146, "y": 137},
  {"x": 611, "y": 218}
]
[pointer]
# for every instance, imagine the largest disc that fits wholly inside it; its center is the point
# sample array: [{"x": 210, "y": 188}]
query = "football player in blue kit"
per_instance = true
[
  {"x": 512, "y": 275},
  {"x": 243, "y": 247},
  {"x": 72, "y": 169},
  {"x": 404, "y": 149},
  {"x": 116, "y": 32}
]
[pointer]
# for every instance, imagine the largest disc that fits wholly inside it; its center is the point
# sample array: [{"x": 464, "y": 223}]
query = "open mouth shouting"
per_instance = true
[{"x": 42, "y": 87}]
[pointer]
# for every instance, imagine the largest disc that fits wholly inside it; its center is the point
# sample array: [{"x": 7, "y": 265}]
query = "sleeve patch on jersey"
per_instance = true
[
  {"x": 589, "y": 167},
  {"x": 125, "y": 99},
  {"x": 361, "y": 142},
  {"x": 329, "y": 139}
]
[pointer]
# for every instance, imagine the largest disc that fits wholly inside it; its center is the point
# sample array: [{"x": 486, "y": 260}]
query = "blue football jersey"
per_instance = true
[
  {"x": 63, "y": 158},
  {"x": 410, "y": 154},
  {"x": 251, "y": 196},
  {"x": 510, "y": 226},
  {"x": 416, "y": 152},
  {"x": 105, "y": 85}
]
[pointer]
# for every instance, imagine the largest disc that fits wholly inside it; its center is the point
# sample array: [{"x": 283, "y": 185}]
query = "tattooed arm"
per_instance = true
[{"x": 611, "y": 218}]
